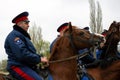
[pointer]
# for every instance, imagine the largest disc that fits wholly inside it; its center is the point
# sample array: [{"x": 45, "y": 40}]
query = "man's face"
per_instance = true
[{"x": 24, "y": 25}]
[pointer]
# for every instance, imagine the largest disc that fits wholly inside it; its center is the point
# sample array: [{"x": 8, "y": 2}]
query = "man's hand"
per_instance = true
[{"x": 44, "y": 59}]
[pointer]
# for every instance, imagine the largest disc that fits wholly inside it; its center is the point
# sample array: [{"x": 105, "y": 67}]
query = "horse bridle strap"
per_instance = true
[{"x": 70, "y": 58}]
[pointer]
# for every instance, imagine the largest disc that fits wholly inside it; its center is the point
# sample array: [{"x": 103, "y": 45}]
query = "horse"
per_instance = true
[
  {"x": 109, "y": 63},
  {"x": 62, "y": 61}
]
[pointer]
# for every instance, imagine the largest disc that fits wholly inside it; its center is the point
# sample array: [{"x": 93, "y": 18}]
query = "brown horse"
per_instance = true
[
  {"x": 109, "y": 66},
  {"x": 62, "y": 63}
]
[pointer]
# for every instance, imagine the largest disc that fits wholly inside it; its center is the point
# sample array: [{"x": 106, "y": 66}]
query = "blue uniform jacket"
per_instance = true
[{"x": 20, "y": 49}]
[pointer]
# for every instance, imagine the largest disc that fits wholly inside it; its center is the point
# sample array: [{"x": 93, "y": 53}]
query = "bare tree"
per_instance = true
[
  {"x": 99, "y": 18},
  {"x": 95, "y": 17},
  {"x": 92, "y": 15},
  {"x": 41, "y": 45}
]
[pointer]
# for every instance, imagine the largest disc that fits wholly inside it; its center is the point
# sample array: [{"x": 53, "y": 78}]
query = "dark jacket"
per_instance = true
[{"x": 20, "y": 49}]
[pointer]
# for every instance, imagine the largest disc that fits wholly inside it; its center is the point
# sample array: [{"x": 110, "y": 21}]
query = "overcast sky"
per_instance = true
[{"x": 50, "y": 14}]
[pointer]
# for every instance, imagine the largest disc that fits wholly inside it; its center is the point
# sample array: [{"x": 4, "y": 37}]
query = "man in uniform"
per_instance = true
[{"x": 22, "y": 56}]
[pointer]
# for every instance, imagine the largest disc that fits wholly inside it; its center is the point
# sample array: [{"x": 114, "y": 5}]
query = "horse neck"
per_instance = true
[
  {"x": 66, "y": 69},
  {"x": 62, "y": 49},
  {"x": 110, "y": 49}
]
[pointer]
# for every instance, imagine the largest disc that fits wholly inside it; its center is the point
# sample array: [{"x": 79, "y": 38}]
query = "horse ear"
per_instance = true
[
  {"x": 70, "y": 26},
  {"x": 114, "y": 22}
]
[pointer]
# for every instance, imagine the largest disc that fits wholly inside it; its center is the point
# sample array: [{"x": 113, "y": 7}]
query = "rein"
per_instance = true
[{"x": 67, "y": 59}]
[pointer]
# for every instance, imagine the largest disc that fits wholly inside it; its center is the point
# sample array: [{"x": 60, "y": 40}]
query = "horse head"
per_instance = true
[
  {"x": 82, "y": 38},
  {"x": 114, "y": 31}
]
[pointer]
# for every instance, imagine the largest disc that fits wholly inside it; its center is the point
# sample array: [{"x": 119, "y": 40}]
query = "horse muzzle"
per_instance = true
[{"x": 99, "y": 41}]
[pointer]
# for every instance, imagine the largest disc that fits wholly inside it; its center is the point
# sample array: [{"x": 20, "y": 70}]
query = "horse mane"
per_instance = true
[
  {"x": 60, "y": 40},
  {"x": 55, "y": 46}
]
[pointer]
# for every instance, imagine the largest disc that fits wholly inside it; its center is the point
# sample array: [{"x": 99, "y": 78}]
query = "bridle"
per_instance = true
[
  {"x": 90, "y": 41},
  {"x": 70, "y": 37}
]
